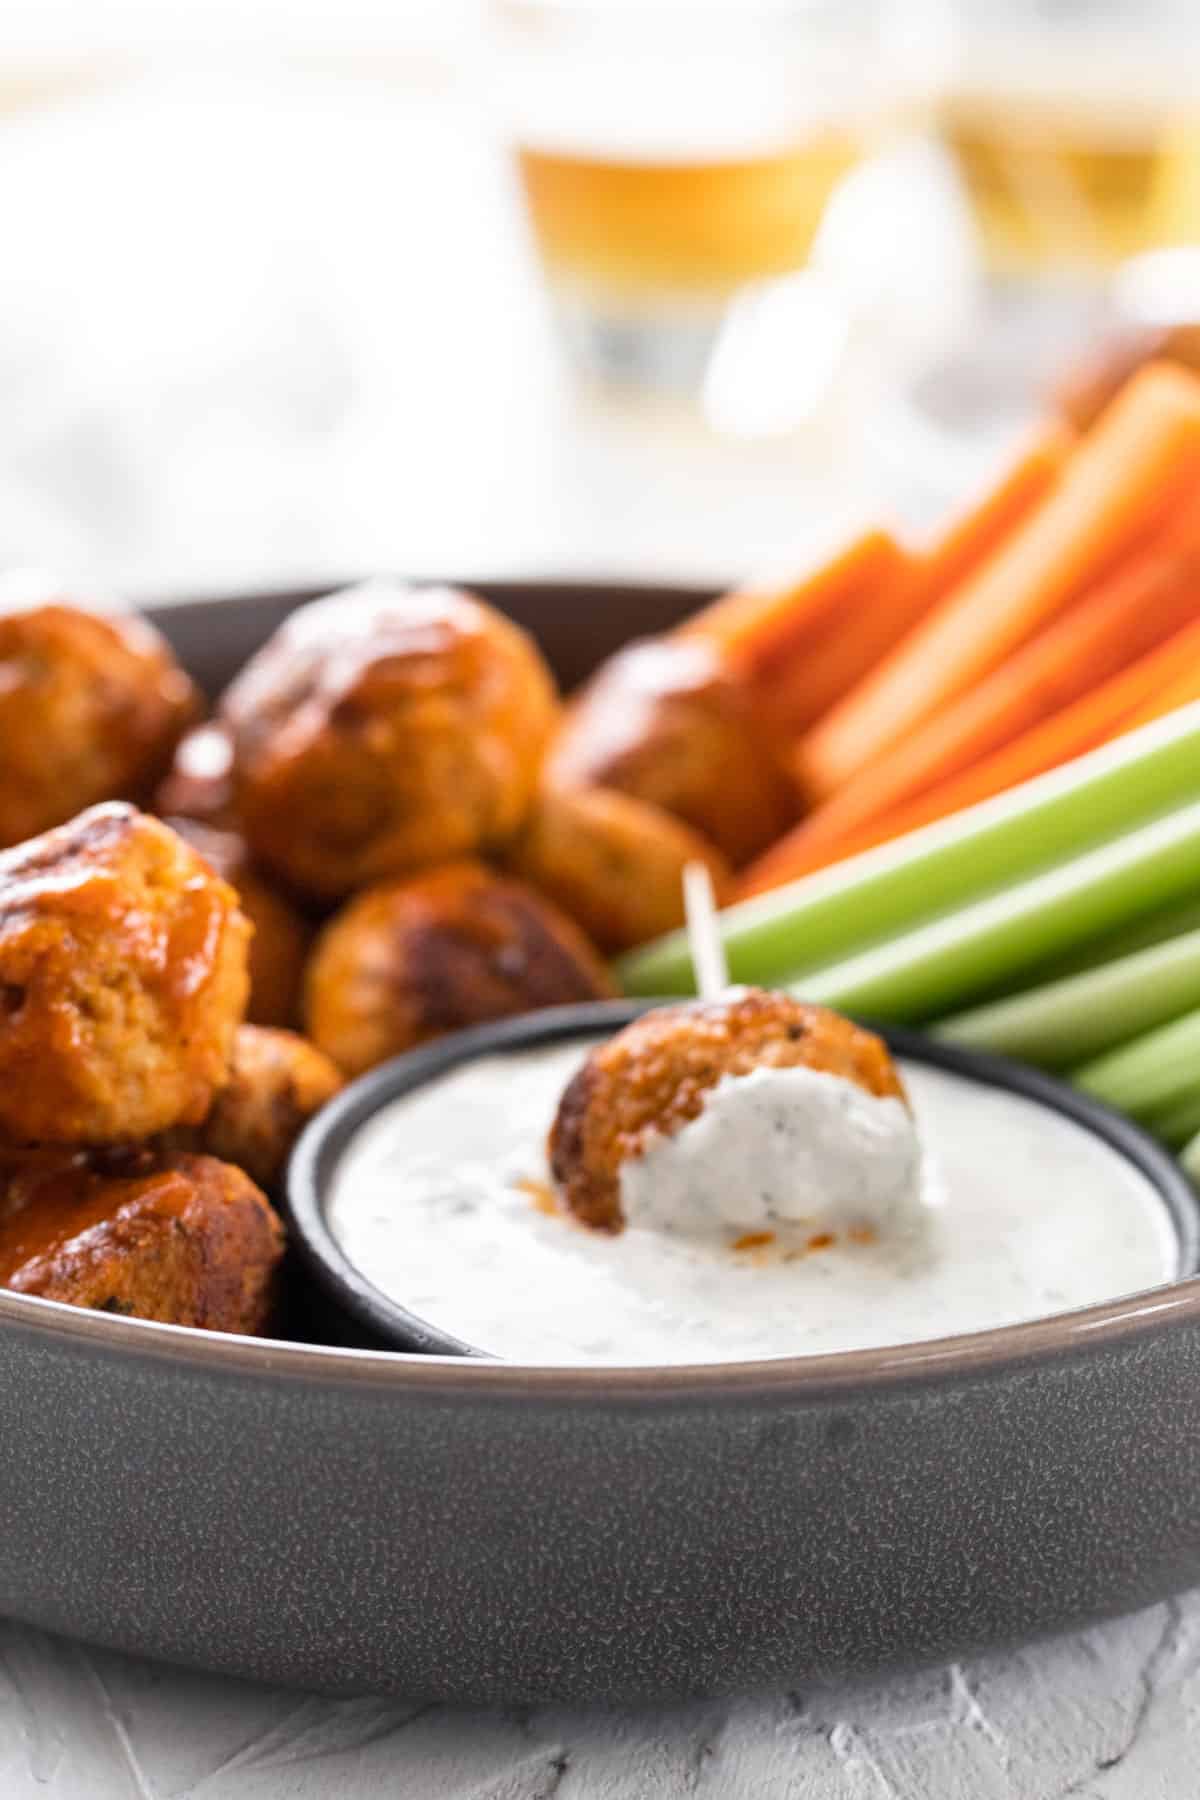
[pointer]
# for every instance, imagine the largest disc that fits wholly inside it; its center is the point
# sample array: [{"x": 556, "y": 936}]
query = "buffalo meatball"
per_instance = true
[
  {"x": 280, "y": 945},
  {"x": 663, "y": 723},
  {"x": 649, "y": 1081},
  {"x": 183, "y": 1239},
  {"x": 457, "y": 946},
  {"x": 277, "y": 1081},
  {"x": 122, "y": 981},
  {"x": 614, "y": 863},
  {"x": 91, "y": 708},
  {"x": 383, "y": 729}
]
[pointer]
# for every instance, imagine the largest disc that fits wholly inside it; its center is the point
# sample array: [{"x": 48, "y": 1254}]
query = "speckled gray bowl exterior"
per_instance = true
[{"x": 349, "y": 1519}]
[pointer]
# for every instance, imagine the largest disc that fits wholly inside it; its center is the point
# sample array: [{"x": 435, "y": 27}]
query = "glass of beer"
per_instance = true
[
  {"x": 1073, "y": 126},
  {"x": 674, "y": 155}
]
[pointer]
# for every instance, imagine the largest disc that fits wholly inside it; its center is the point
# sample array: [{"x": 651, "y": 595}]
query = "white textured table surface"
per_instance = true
[{"x": 1110, "y": 1713}]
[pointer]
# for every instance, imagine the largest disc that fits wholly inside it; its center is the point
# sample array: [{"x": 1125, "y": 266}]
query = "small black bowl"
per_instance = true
[{"x": 322, "y": 1144}]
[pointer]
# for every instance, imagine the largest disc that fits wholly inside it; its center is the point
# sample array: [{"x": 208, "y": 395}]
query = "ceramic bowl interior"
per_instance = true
[{"x": 315, "y": 1161}]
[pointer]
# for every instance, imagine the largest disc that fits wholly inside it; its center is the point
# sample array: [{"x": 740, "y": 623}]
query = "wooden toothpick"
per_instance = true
[{"x": 704, "y": 933}]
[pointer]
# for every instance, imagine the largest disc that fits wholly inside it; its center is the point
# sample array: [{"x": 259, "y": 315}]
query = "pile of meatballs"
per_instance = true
[{"x": 389, "y": 827}]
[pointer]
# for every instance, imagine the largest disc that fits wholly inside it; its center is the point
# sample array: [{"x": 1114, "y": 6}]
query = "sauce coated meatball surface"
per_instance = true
[
  {"x": 277, "y": 1081},
  {"x": 458, "y": 946},
  {"x": 91, "y": 708},
  {"x": 614, "y": 863},
  {"x": 384, "y": 729},
  {"x": 282, "y": 935},
  {"x": 183, "y": 1239},
  {"x": 199, "y": 783},
  {"x": 653, "y": 1077},
  {"x": 122, "y": 980},
  {"x": 662, "y": 722}
]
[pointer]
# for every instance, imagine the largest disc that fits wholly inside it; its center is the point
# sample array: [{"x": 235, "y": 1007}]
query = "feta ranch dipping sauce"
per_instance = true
[{"x": 1008, "y": 1212}]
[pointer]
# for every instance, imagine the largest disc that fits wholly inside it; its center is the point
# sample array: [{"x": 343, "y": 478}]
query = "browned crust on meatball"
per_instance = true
[
  {"x": 384, "y": 729},
  {"x": 662, "y": 722},
  {"x": 652, "y": 1077},
  {"x": 122, "y": 981},
  {"x": 282, "y": 935},
  {"x": 615, "y": 864},
  {"x": 277, "y": 1081},
  {"x": 91, "y": 708},
  {"x": 458, "y": 946},
  {"x": 183, "y": 1239}
]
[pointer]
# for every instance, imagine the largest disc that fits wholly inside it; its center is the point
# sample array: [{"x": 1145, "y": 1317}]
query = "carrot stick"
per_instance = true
[
  {"x": 846, "y": 644},
  {"x": 1167, "y": 677},
  {"x": 1125, "y": 476},
  {"x": 975, "y": 534},
  {"x": 752, "y": 628},
  {"x": 1176, "y": 693},
  {"x": 1154, "y": 593},
  {"x": 794, "y": 692}
]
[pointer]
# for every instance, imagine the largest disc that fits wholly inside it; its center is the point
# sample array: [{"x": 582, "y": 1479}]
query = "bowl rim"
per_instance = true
[{"x": 325, "y": 1139}]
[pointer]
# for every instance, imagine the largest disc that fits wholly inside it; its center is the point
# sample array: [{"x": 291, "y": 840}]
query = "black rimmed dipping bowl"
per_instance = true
[
  {"x": 355, "y": 1519},
  {"x": 315, "y": 1161}
]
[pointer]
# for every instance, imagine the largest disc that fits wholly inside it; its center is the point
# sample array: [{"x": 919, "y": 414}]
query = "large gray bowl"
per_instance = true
[{"x": 353, "y": 1519}]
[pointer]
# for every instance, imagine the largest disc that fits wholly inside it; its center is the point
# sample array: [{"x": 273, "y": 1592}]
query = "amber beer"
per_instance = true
[
  {"x": 1071, "y": 181},
  {"x": 638, "y": 226}
]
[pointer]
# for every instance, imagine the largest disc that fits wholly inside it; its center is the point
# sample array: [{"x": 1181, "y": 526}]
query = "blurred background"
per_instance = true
[{"x": 298, "y": 288}]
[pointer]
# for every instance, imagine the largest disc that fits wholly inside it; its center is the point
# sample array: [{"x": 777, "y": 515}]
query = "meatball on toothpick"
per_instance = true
[
  {"x": 745, "y": 1113},
  {"x": 383, "y": 729},
  {"x": 792, "y": 1091},
  {"x": 123, "y": 977}
]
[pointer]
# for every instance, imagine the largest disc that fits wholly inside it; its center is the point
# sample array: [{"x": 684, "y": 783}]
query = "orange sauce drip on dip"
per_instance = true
[
  {"x": 541, "y": 1195},
  {"x": 753, "y": 1240}
]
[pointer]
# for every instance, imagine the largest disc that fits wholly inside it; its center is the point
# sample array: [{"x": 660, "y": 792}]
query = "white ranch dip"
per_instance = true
[
  {"x": 790, "y": 1151},
  {"x": 440, "y": 1200}
]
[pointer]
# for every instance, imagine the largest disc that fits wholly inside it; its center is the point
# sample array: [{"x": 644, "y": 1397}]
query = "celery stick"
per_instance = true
[
  {"x": 1190, "y": 1160},
  {"x": 944, "y": 964},
  {"x": 1150, "y": 1074},
  {"x": 1178, "y": 1123},
  {"x": 1070, "y": 1021},
  {"x": 1149, "y": 928},
  {"x": 779, "y": 936}
]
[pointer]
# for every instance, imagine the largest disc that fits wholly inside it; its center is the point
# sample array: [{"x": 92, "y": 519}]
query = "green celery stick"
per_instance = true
[
  {"x": 1190, "y": 1159},
  {"x": 867, "y": 899},
  {"x": 1070, "y": 1021},
  {"x": 1178, "y": 1123},
  {"x": 1150, "y": 1074},
  {"x": 944, "y": 964},
  {"x": 1153, "y": 927}
]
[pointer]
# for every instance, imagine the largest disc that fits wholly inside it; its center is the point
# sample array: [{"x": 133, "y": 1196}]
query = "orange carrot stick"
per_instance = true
[
  {"x": 846, "y": 646},
  {"x": 975, "y": 534},
  {"x": 1127, "y": 475},
  {"x": 793, "y": 696},
  {"x": 1166, "y": 677},
  {"x": 1153, "y": 594},
  {"x": 1180, "y": 692},
  {"x": 753, "y": 628}
]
